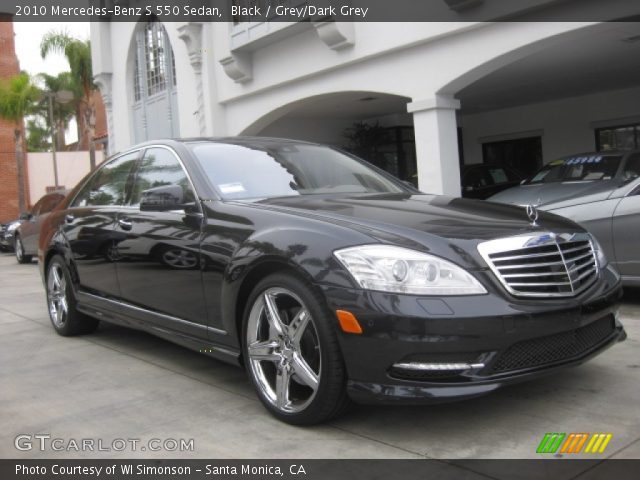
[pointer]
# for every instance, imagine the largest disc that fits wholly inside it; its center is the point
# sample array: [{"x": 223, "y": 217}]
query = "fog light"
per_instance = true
[{"x": 438, "y": 366}]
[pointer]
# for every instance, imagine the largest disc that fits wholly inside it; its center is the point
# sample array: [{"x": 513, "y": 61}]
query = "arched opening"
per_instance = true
[
  {"x": 373, "y": 125},
  {"x": 572, "y": 94},
  {"x": 153, "y": 84}
]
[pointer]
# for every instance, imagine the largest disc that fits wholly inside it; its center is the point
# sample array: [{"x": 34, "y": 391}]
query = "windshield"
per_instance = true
[
  {"x": 587, "y": 168},
  {"x": 276, "y": 170}
]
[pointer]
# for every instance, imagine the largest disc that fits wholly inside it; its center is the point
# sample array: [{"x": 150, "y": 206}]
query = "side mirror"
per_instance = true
[{"x": 162, "y": 199}]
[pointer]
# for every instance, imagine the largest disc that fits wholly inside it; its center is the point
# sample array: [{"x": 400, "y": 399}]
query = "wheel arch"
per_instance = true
[{"x": 255, "y": 274}]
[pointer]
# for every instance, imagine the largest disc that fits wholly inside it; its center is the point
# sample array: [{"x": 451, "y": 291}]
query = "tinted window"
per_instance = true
[
  {"x": 109, "y": 184},
  {"x": 579, "y": 168},
  {"x": 476, "y": 178},
  {"x": 240, "y": 172},
  {"x": 160, "y": 167},
  {"x": 501, "y": 175}
]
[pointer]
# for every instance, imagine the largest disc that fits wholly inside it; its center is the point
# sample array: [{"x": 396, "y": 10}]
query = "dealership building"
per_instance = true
[{"x": 424, "y": 98}]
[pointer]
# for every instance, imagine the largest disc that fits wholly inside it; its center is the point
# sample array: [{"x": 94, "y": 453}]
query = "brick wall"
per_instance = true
[{"x": 8, "y": 171}]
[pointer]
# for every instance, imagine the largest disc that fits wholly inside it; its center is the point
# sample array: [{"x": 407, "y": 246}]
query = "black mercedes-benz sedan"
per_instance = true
[{"x": 329, "y": 280}]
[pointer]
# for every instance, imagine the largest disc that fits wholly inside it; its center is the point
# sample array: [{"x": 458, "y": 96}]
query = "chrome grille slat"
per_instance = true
[
  {"x": 528, "y": 255},
  {"x": 540, "y": 284},
  {"x": 585, "y": 274},
  {"x": 530, "y": 265},
  {"x": 543, "y": 264},
  {"x": 576, "y": 249},
  {"x": 575, "y": 259},
  {"x": 525, "y": 275}
]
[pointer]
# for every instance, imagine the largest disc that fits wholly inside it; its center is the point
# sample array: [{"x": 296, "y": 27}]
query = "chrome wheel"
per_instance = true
[
  {"x": 284, "y": 350},
  {"x": 57, "y": 295}
]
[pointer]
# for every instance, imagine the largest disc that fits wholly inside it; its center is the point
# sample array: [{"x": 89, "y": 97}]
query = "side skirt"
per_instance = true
[{"x": 163, "y": 326}]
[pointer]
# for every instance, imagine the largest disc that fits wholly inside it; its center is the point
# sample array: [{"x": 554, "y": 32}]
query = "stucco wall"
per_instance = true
[{"x": 72, "y": 167}]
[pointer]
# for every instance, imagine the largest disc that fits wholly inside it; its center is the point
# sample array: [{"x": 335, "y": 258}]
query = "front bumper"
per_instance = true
[
  {"x": 6, "y": 241},
  {"x": 500, "y": 338}
]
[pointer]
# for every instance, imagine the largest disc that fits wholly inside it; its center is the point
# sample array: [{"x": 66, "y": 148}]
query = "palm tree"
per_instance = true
[
  {"x": 18, "y": 97},
  {"x": 78, "y": 55},
  {"x": 37, "y": 136},
  {"x": 62, "y": 113}
]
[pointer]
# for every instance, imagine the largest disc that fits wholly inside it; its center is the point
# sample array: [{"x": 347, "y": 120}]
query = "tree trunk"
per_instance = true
[
  {"x": 22, "y": 201},
  {"x": 61, "y": 141},
  {"x": 81, "y": 126}
]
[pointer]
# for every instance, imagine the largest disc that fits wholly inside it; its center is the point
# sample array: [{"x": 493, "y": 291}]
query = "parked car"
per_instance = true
[
  {"x": 483, "y": 180},
  {"x": 327, "y": 278},
  {"x": 601, "y": 191},
  {"x": 25, "y": 237},
  {"x": 6, "y": 234}
]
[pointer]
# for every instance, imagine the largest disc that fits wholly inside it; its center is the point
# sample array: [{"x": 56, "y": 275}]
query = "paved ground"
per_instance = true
[{"x": 119, "y": 383}]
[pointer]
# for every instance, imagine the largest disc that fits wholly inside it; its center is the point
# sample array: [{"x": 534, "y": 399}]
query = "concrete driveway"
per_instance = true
[{"x": 119, "y": 383}]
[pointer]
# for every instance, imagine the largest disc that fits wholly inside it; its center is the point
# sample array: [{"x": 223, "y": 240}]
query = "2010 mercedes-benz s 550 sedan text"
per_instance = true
[{"x": 328, "y": 279}]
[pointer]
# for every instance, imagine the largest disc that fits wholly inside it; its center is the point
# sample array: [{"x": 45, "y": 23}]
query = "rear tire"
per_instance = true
[
  {"x": 294, "y": 361},
  {"x": 21, "y": 257},
  {"x": 61, "y": 302}
]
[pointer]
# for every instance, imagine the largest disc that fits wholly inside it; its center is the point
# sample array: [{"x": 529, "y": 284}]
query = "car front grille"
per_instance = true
[
  {"x": 543, "y": 265},
  {"x": 554, "y": 348}
]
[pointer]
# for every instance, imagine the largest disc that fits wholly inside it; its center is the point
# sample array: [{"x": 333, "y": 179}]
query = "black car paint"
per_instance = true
[{"x": 239, "y": 242}]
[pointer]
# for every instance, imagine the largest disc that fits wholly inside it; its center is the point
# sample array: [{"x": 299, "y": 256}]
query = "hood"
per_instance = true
[
  {"x": 412, "y": 216},
  {"x": 445, "y": 226},
  {"x": 567, "y": 193}
]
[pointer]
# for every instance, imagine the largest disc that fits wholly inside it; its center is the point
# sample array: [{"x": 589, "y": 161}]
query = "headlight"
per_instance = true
[
  {"x": 600, "y": 256},
  {"x": 395, "y": 269}
]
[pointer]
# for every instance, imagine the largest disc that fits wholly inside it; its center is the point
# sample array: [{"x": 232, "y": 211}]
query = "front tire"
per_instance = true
[
  {"x": 66, "y": 319},
  {"x": 291, "y": 352},
  {"x": 21, "y": 257}
]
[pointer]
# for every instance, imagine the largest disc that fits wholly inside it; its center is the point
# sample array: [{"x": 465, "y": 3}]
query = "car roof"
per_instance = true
[{"x": 249, "y": 141}]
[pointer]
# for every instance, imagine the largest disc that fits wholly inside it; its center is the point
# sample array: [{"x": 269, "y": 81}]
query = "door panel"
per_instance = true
[
  {"x": 90, "y": 225},
  {"x": 158, "y": 259}
]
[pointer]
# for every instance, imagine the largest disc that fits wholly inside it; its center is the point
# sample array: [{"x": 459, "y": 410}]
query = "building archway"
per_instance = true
[{"x": 531, "y": 104}]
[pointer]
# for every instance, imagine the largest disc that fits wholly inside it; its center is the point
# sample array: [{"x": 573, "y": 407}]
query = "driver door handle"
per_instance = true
[{"x": 125, "y": 224}]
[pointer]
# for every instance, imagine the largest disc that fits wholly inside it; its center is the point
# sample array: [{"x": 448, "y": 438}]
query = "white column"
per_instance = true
[
  {"x": 436, "y": 133},
  {"x": 191, "y": 34},
  {"x": 103, "y": 81}
]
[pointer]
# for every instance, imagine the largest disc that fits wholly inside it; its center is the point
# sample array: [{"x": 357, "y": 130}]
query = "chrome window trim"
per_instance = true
[{"x": 538, "y": 239}]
